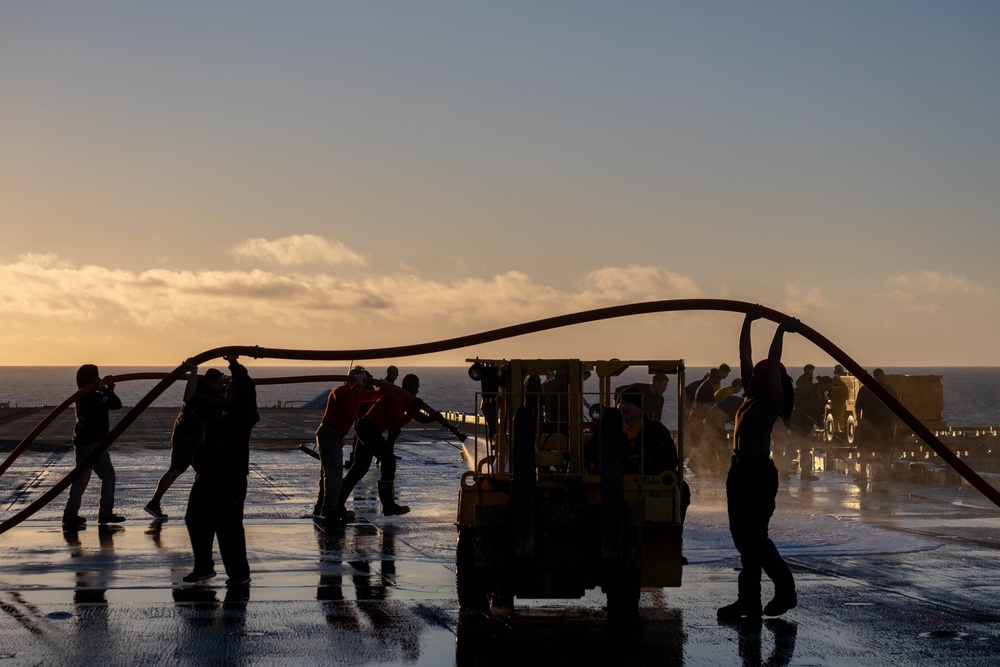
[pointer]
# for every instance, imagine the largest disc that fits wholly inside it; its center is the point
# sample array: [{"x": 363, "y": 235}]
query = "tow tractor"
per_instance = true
[
  {"x": 923, "y": 395},
  {"x": 538, "y": 516}
]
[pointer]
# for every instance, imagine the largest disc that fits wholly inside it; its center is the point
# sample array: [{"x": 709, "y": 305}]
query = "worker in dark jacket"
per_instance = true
[
  {"x": 222, "y": 463},
  {"x": 92, "y": 425}
]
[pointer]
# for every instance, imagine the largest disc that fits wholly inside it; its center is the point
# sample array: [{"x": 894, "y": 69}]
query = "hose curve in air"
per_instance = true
[{"x": 536, "y": 326}]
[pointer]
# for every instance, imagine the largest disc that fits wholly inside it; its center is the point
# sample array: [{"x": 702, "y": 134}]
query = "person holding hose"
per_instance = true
[
  {"x": 390, "y": 413},
  {"x": 752, "y": 484},
  {"x": 204, "y": 400},
  {"x": 218, "y": 494},
  {"x": 341, "y": 412},
  {"x": 92, "y": 425}
]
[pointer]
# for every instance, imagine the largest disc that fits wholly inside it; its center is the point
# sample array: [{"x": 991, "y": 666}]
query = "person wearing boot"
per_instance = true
[
  {"x": 218, "y": 494},
  {"x": 92, "y": 425},
  {"x": 391, "y": 412},
  {"x": 752, "y": 484},
  {"x": 342, "y": 407},
  {"x": 204, "y": 400}
]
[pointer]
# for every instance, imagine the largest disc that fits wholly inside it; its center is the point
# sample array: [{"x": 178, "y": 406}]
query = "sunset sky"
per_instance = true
[{"x": 179, "y": 176}]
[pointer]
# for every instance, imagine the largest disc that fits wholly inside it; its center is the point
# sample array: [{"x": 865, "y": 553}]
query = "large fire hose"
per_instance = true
[{"x": 597, "y": 314}]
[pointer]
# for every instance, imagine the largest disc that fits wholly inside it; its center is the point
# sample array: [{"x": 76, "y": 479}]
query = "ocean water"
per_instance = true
[{"x": 971, "y": 394}]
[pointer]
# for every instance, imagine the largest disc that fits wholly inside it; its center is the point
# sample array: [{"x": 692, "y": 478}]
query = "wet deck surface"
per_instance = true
[{"x": 896, "y": 575}]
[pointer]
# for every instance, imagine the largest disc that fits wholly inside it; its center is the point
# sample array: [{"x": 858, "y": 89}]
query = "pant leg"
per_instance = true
[
  {"x": 200, "y": 522},
  {"x": 771, "y": 561},
  {"x": 806, "y": 457},
  {"x": 331, "y": 454},
  {"x": 321, "y": 495},
  {"x": 372, "y": 440},
  {"x": 751, "y": 490},
  {"x": 229, "y": 529},
  {"x": 741, "y": 520},
  {"x": 363, "y": 455},
  {"x": 106, "y": 473},
  {"x": 79, "y": 485}
]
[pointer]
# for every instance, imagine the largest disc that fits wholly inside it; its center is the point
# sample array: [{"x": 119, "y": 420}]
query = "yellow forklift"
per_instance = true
[{"x": 547, "y": 511}]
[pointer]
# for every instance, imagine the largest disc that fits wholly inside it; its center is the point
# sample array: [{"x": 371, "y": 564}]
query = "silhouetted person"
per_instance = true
[
  {"x": 725, "y": 391},
  {"x": 204, "y": 399},
  {"x": 690, "y": 390},
  {"x": 222, "y": 463},
  {"x": 707, "y": 444},
  {"x": 651, "y": 439},
  {"x": 366, "y": 405},
  {"x": 391, "y": 374},
  {"x": 341, "y": 412},
  {"x": 803, "y": 421},
  {"x": 752, "y": 484},
  {"x": 877, "y": 423},
  {"x": 652, "y": 395},
  {"x": 391, "y": 412},
  {"x": 649, "y": 448},
  {"x": 532, "y": 392},
  {"x": 92, "y": 425},
  {"x": 723, "y": 371}
]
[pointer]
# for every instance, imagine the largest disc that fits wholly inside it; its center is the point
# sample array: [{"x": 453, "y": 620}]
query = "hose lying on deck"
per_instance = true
[{"x": 597, "y": 314}]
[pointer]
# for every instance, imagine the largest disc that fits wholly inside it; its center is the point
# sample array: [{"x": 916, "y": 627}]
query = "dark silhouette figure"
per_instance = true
[
  {"x": 389, "y": 413},
  {"x": 222, "y": 463},
  {"x": 92, "y": 425},
  {"x": 342, "y": 406},
  {"x": 877, "y": 425},
  {"x": 752, "y": 484},
  {"x": 204, "y": 399}
]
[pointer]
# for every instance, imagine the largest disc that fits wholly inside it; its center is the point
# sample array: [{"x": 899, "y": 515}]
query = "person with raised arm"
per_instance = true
[
  {"x": 92, "y": 425},
  {"x": 203, "y": 400},
  {"x": 218, "y": 495},
  {"x": 752, "y": 484}
]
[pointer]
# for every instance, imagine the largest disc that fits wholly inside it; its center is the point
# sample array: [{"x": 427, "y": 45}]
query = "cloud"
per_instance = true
[
  {"x": 49, "y": 289},
  {"x": 298, "y": 250},
  {"x": 800, "y": 299},
  {"x": 637, "y": 283},
  {"x": 911, "y": 292},
  {"x": 936, "y": 282},
  {"x": 906, "y": 302}
]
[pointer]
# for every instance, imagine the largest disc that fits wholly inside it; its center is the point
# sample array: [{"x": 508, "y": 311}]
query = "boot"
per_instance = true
[
  {"x": 750, "y": 610},
  {"x": 782, "y": 602},
  {"x": 387, "y": 494}
]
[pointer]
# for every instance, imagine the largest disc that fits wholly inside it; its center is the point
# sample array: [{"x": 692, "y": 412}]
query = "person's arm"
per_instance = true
[
  {"x": 372, "y": 395},
  {"x": 109, "y": 397},
  {"x": 237, "y": 370},
  {"x": 746, "y": 353},
  {"x": 191, "y": 388},
  {"x": 425, "y": 414},
  {"x": 791, "y": 325}
]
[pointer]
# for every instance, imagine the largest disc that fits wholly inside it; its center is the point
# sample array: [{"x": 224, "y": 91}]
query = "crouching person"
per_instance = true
[{"x": 222, "y": 463}]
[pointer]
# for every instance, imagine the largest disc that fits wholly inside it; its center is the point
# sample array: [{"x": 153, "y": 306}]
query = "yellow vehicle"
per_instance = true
[
  {"x": 923, "y": 395},
  {"x": 538, "y": 520},
  {"x": 840, "y": 418}
]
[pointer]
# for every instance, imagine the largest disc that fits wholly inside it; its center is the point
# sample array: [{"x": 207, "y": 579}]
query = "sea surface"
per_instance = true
[{"x": 971, "y": 394}]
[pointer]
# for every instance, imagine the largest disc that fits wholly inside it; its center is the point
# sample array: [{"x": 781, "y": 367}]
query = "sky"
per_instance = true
[{"x": 176, "y": 177}]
